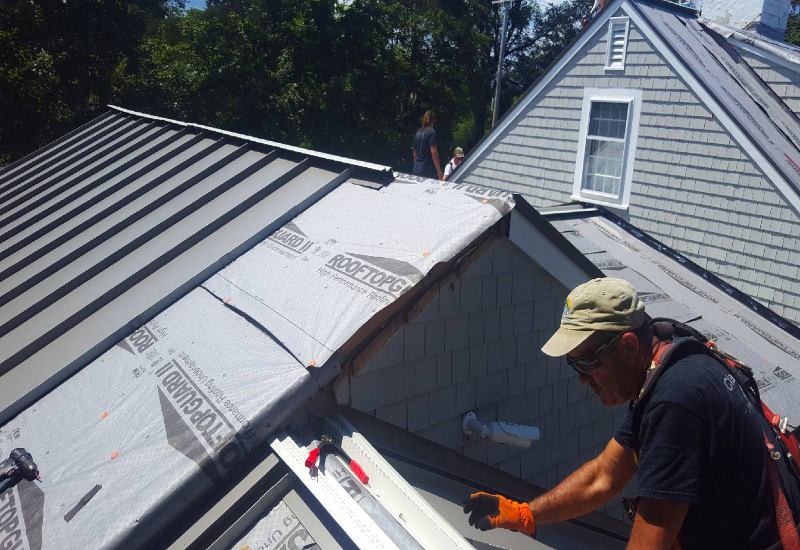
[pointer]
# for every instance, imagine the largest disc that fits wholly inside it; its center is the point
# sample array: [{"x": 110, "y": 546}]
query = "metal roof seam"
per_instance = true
[
  {"x": 80, "y": 192},
  {"x": 152, "y": 184},
  {"x": 44, "y": 339},
  {"x": 56, "y": 161},
  {"x": 109, "y": 261},
  {"x": 16, "y": 167},
  {"x": 64, "y": 186},
  {"x": 98, "y": 152}
]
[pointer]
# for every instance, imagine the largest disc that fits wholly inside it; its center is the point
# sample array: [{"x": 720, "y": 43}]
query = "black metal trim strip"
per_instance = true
[
  {"x": 149, "y": 269},
  {"x": 94, "y": 183},
  {"x": 145, "y": 237},
  {"x": 66, "y": 163},
  {"x": 152, "y": 184},
  {"x": 762, "y": 310},
  {"x": 546, "y": 228},
  {"x": 9, "y": 170}
]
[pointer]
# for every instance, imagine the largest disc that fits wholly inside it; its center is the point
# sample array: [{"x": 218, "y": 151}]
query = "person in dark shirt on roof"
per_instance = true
[
  {"x": 691, "y": 437},
  {"x": 426, "y": 151}
]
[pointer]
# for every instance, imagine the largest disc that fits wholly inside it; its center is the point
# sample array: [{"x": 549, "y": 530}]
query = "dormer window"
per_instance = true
[
  {"x": 607, "y": 143},
  {"x": 617, "y": 43}
]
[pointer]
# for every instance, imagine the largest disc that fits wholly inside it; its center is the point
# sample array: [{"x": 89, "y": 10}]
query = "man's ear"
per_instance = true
[{"x": 630, "y": 344}]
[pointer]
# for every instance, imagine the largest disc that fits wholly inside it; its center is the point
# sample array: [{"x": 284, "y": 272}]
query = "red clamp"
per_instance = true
[{"x": 326, "y": 445}]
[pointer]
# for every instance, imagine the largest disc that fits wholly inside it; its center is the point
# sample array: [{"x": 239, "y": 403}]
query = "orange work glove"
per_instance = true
[{"x": 490, "y": 511}]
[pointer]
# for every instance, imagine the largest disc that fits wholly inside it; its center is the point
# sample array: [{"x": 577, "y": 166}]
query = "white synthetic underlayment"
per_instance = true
[{"x": 161, "y": 417}]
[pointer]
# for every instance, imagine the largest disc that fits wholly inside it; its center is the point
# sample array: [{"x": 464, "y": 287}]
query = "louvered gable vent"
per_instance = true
[{"x": 617, "y": 43}]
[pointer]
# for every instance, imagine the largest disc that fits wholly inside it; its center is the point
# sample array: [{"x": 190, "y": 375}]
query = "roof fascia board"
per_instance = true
[
  {"x": 305, "y": 152},
  {"x": 545, "y": 245},
  {"x": 597, "y": 25},
  {"x": 716, "y": 108}
]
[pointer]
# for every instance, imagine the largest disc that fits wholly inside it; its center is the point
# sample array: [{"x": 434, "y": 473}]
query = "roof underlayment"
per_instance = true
[{"x": 124, "y": 234}]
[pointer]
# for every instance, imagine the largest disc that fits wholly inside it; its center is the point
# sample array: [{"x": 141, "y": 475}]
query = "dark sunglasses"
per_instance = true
[{"x": 586, "y": 364}]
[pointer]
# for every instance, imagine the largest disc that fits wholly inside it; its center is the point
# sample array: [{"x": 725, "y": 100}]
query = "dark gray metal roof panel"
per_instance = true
[
  {"x": 80, "y": 226},
  {"x": 99, "y": 191}
]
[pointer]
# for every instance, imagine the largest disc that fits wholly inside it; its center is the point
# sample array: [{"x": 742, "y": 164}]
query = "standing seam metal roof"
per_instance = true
[{"x": 105, "y": 227}]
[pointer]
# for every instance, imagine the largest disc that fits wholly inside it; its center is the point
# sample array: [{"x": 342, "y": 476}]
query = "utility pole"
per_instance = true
[{"x": 504, "y": 26}]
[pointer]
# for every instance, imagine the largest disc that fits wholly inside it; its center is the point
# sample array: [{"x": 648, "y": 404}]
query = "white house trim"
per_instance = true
[
  {"x": 510, "y": 118},
  {"x": 545, "y": 252},
  {"x": 633, "y": 98},
  {"x": 716, "y": 109}
]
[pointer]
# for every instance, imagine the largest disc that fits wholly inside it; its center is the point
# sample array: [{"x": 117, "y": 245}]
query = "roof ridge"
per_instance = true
[{"x": 275, "y": 144}]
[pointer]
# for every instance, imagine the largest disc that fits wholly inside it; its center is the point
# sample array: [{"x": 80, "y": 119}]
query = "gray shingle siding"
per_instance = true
[
  {"x": 784, "y": 81},
  {"x": 693, "y": 187},
  {"x": 496, "y": 369}
]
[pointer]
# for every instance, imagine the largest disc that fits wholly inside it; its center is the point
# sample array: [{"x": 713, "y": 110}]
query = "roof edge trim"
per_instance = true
[
  {"x": 596, "y": 25},
  {"x": 742, "y": 297},
  {"x": 277, "y": 145},
  {"x": 728, "y": 122}
]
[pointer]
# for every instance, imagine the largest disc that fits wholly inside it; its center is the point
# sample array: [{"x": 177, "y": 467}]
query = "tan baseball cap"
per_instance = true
[
  {"x": 458, "y": 152},
  {"x": 606, "y": 304}
]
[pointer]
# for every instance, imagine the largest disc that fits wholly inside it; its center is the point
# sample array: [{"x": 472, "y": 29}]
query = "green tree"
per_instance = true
[
  {"x": 793, "y": 26},
  {"x": 57, "y": 62},
  {"x": 348, "y": 77}
]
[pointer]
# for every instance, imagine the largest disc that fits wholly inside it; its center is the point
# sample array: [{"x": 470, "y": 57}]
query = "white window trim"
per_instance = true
[
  {"x": 618, "y": 95},
  {"x": 609, "y": 36}
]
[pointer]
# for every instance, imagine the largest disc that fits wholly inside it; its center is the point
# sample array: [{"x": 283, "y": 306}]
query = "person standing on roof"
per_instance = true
[
  {"x": 426, "y": 152},
  {"x": 455, "y": 162},
  {"x": 704, "y": 473}
]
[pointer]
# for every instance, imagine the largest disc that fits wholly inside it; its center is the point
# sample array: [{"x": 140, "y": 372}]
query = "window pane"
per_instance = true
[
  {"x": 603, "y": 166},
  {"x": 608, "y": 119}
]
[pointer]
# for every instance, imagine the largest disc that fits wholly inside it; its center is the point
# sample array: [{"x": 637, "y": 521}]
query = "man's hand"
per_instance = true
[{"x": 490, "y": 511}]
